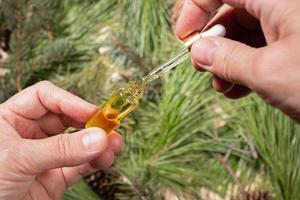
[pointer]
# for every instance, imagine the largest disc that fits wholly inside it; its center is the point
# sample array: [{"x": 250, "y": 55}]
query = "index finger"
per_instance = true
[
  {"x": 195, "y": 15},
  {"x": 43, "y": 97}
]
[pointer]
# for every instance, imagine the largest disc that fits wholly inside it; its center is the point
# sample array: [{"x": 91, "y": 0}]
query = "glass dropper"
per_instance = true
[{"x": 217, "y": 30}]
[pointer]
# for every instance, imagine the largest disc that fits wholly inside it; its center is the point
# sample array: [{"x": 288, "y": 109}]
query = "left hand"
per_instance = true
[{"x": 36, "y": 160}]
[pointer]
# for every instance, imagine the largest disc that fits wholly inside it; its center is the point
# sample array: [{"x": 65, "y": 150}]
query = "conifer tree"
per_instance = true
[{"x": 184, "y": 140}]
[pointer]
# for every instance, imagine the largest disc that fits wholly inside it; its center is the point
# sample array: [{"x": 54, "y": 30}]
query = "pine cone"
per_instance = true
[
  {"x": 102, "y": 183},
  {"x": 254, "y": 195},
  {"x": 4, "y": 45},
  {"x": 5, "y": 36}
]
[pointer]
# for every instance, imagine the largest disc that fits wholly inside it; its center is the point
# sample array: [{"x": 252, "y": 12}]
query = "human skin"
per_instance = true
[
  {"x": 37, "y": 161},
  {"x": 260, "y": 53}
]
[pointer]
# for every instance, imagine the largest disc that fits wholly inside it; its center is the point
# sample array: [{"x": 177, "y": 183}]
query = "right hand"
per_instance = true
[{"x": 261, "y": 53}]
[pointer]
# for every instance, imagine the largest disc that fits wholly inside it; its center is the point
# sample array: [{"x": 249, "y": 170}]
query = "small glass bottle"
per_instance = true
[{"x": 122, "y": 102}]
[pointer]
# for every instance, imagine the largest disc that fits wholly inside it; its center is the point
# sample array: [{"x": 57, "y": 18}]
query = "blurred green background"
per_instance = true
[{"x": 184, "y": 141}]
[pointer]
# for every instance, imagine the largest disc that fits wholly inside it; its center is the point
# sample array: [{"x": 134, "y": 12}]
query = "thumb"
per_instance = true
[
  {"x": 64, "y": 150},
  {"x": 230, "y": 60}
]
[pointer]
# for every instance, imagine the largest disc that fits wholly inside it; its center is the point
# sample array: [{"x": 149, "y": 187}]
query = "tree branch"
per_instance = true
[
  {"x": 232, "y": 173},
  {"x": 17, "y": 50}
]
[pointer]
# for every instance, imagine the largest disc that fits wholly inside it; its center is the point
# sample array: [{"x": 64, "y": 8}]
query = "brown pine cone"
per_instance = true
[{"x": 254, "y": 195}]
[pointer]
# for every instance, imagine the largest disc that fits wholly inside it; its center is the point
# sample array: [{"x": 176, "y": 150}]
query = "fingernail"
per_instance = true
[
  {"x": 94, "y": 140},
  {"x": 203, "y": 51}
]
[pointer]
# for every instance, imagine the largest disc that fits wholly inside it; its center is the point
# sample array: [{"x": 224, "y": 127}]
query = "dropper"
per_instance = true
[{"x": 217, "y": 30}]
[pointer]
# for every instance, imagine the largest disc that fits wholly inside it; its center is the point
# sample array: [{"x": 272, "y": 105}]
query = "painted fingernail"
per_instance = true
[
  {"x": 203, "y": 52},
  {"x": 94, "y": 140}
]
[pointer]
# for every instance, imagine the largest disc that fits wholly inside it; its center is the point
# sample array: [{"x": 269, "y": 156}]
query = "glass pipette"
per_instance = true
[
  {"x": 125, "y": 99},
  {"x": 217, "y": 30}
]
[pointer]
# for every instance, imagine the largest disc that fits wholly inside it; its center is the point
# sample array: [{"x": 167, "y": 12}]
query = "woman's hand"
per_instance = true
[
  {"x": 261, "y": 52},
  {"x": 36, "y": 160}
]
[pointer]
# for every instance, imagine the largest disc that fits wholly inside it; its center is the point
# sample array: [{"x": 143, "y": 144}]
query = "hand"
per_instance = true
[
  {"x": 261, "y": 53},
  {"x": 36, "y": 160}
]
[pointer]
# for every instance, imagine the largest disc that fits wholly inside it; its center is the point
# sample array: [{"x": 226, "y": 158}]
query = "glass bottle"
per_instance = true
[{"x": 115, "y": 109}]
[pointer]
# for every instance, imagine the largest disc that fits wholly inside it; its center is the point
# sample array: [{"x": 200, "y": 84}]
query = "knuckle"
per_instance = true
[
  {"x": 63, "y": 146},
  {"x": 45, "y": 90},
  {"x": 259, "y": 72},
  {"x": 44, "y": 84},
  {"x": 226, "y": 65}
]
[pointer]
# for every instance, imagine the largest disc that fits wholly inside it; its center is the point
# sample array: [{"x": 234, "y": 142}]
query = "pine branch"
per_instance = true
[
  {"x": 228, "y": 167},
  {"x": 129, "y": 53},
  {"x": 18, "y": 16},
  {"x": 48, "y": 25}
]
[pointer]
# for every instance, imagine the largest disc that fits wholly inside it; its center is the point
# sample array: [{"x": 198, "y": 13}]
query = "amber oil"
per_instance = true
[{"x": 121, "y": 103}]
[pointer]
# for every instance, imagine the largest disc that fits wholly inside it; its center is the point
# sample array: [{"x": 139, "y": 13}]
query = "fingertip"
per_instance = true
[
  {"x": 191, "y": 19},
  {"x": 237, "y": 92},
  {"x": 209, "y": 6},
  {"x": 198, "y": 67},
  {"x": 94, "y": 140},
  {"x": 115, "y": 142},
  {"x": 104, "y": 161},
  {"x": 202, "y": 53},
  {"x": 78, "y": 109},
  {"x": 221, "y": 85}
]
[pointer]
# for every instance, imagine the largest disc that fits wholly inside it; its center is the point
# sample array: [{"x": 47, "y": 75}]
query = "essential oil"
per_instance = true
[{"x": 122, "y": 102}]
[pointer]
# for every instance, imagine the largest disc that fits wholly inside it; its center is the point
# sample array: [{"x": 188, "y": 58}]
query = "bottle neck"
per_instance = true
[
  {"x": 133, "y": 91},
  {"x": 125, "y": 99}
]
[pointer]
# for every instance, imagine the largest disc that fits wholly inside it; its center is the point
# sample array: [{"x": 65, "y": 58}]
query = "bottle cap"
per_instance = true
[{"x": 216, "y": 30}]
